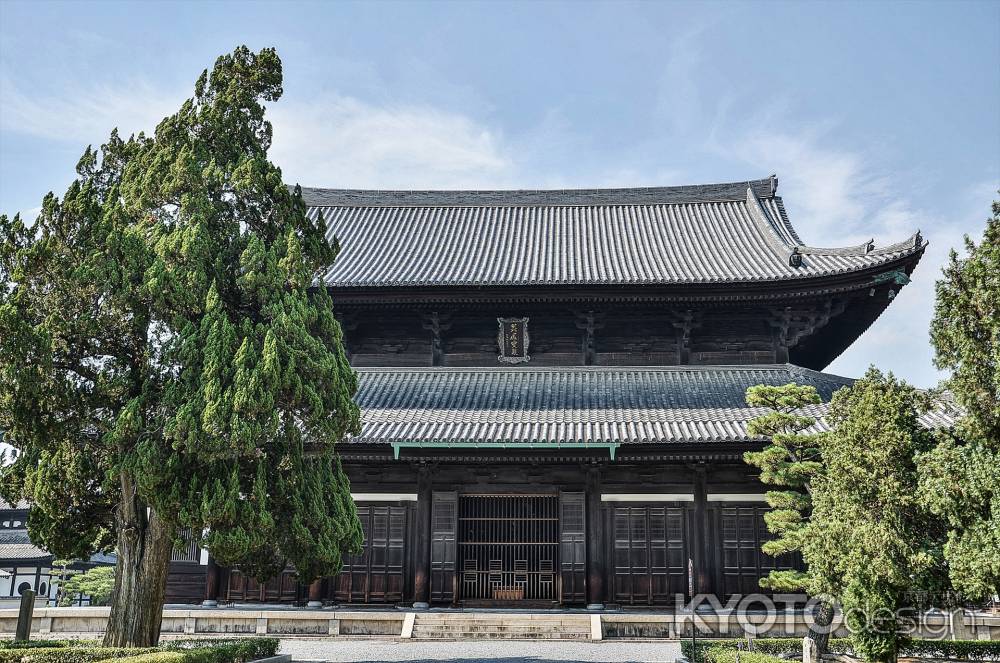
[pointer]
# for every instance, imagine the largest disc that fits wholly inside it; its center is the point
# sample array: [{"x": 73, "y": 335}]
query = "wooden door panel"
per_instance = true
[
  {"x": 573, "y": 547},
  {"x": 444, "y": 526},
  {"x": 742, "y": 531},
  {"x": 649, "y": 553},
  {"x": 378, "y": 573}
]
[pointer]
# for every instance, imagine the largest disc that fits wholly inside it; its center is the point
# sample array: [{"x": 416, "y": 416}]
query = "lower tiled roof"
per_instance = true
[
  {"x": 567, "y": 405},
  {"x": 16, "y": 546},
  {"x": 574, "y": 405}
]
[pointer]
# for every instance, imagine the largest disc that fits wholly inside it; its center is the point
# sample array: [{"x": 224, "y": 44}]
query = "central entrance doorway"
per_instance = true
[{"x": 508, "y": 547}]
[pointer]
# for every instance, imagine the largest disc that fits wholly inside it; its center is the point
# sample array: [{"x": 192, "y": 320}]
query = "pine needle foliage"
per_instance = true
[
  {"x": 869, "y": 541},
  {"x": 162, "y": 346},
  {"x": 960, "y": 478},
  {"x": 96, "y": 583},
  {"x": 791, "y": 460}
]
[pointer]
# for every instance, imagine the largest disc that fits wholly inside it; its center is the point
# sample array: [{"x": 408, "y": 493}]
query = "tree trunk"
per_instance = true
[
  {"x": 819, "y": 630},
  {"x": 144, "y": 547}
]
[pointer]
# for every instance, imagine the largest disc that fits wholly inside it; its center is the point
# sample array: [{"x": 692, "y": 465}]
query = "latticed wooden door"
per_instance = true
[
  {"x": 507, "y": 547},
  {"x": 378, "y": 574},
  {"x": 650, "y": 554},
  {"x": 741, "y": 531},
  {"x": 444, "y": 534},
  {"x": 573, "y": 547}
]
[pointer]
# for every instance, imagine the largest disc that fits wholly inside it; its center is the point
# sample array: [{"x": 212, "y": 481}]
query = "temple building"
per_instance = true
[
  {"x": 552, "y": 388},
  {"x": 24, "y": 566}
]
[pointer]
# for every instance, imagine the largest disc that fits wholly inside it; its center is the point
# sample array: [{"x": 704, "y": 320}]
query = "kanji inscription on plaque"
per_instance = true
[{"x": 513, "y": 340}]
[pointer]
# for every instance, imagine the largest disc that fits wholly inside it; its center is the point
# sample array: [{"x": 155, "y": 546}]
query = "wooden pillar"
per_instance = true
[
  {"x": 701, "y": 528},
  {"x": 422, "y": 541},
  {"x": 595, "y": 541},
  {"x": 212, "y": 576},
  {"x": 315, "y": 594}
]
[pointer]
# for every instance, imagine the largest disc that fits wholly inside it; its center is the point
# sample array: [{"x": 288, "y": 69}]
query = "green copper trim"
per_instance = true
[
  {"x": 897, "y": 276},
  {"x": 612, "y": 447}
]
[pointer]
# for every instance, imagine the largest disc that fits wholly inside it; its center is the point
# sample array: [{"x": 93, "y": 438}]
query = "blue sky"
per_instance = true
[{"x": 879, "y": 118}]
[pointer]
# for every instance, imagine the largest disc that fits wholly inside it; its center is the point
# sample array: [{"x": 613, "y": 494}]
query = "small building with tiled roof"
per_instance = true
[
  {"x": 25, "y": 565},
  {"x": 552, "y": 387}
]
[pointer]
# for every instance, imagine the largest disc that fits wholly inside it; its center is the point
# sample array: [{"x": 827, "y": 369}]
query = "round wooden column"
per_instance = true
[
  {"x": 315, "y": 594},
  {"x": 212, "y": 575},
  {"x": 422, "y": 541},
  {"x": 700, "y": 547},
  {"x": 595, "y": 541}
]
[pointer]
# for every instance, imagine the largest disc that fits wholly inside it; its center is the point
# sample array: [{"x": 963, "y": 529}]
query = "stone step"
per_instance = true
[
  {"x": 475, "y": 625},
  {"x": 584, "y": 619},
  {"x": 526, "y": 626},
  {"x": 497, "y": 634},
  {"x": 582, "y": 623},
  {"x": 491, "y": 635},
  {"x": 487, "y": 627}
]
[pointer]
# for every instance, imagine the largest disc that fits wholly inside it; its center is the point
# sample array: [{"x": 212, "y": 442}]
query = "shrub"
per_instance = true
[
  {"x": 184, "y": 651},
  {"x": 224, "y": 651},
  {"x": 67, "y": 654},
  {"x": 29, "y": 644},
  {"x": 152, "y": 657},
  {"x": 973, "y": 650},
  {"x": 728, "y": 655},
  {"x": 724, "y": 650},
  {"x": 771, "y": 646}
]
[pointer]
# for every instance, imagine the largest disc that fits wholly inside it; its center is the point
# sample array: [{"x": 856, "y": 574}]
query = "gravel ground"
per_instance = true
[{"x": 469, "y": 651}]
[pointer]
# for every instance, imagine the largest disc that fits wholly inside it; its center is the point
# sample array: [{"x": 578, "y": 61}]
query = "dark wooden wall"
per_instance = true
[
  {"x": 620, "y": 553},
  {"x": 561, "y": 335},
  {"x": 185, "y": 582},
  {"x": 646, "y": 546}
]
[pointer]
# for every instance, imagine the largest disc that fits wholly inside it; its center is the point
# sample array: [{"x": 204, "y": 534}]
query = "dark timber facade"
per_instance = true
[{"x": 552, "y": 387}]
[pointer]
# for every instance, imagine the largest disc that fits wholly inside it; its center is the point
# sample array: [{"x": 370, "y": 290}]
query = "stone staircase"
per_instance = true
[{"x": 500, "y": 626}]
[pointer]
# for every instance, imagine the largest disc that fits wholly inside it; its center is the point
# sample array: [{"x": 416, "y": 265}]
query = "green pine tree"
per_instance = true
[
  {"x": 868, "y": 540},
  {"x": 960, "y": 478},
  {"x": 166, "y": 364},
  {"x": 791, "y": 460}
]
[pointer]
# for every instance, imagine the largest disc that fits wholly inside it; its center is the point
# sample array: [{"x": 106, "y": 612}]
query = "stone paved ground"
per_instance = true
[{"x": 481, "y": 651}]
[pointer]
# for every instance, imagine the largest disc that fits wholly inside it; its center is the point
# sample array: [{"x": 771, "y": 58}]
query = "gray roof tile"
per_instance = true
[
  {"x": 16, "y": 545},
  {"x": 574, "y": 404},
  {"x": 718, "y": 233}
]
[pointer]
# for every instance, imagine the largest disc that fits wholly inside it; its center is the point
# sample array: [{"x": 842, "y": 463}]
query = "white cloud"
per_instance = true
[
  {"x": 333, "y": 140},
  {"x": 85, "y": 116},
  {"x": 340, "y": 141},
  {"x": 826, "y": 189}
]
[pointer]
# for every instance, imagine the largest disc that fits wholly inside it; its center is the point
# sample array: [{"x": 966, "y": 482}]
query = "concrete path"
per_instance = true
[{"x": 471, "y": 651}]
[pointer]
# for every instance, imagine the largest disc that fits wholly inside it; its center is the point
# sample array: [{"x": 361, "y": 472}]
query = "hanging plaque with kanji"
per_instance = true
[{"x": 513, "y": 340}]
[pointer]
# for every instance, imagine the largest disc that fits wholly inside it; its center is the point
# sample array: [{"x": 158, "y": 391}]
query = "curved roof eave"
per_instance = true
[{"x": 722, "y": 234}]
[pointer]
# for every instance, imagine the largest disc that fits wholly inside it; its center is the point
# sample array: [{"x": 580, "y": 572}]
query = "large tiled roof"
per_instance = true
[
  {"x": 576, "y": 405},
  {"x": 16, "y": 545},
  {"x": 717, "y": 233}
]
